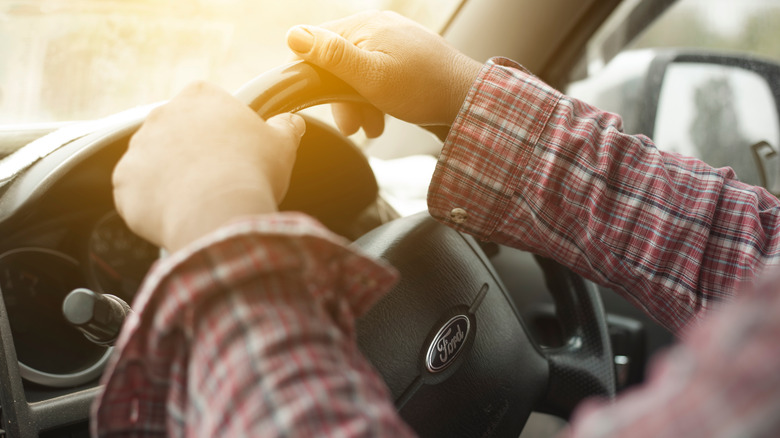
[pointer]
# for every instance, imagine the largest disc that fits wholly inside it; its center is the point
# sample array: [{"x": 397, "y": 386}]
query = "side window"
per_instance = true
[
  {"x": 699, "y": 81},
  {"x": 721, "y": 114}
]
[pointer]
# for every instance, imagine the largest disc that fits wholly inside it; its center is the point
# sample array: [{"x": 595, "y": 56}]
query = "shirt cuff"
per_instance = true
[
  {"x": 285, "y": 261},
  {"x": 339, "y": 278},
  {"x": 489, "y": 147},
  {"x": 255, "y": 246}
]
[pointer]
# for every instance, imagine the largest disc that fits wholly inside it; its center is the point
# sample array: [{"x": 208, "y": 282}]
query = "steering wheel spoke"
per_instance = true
[{"x": 583, "y": 365}]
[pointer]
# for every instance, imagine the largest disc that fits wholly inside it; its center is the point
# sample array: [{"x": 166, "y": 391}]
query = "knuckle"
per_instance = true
[
  {"x": 154, "y": 115},
  {"x": 333, "y": 52},
  {"x": 137, "y": 138},
  {"x": 116, "y": 176},
  {"x": 286, "y": 145},
  {"x": 197, "y": 87},
  {"x": 120, "y": 175}
]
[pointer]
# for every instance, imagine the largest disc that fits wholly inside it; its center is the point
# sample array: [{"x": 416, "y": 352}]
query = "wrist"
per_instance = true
[
  {"x": 465, "y": 72},
  {"x": 186, "y": 222}
]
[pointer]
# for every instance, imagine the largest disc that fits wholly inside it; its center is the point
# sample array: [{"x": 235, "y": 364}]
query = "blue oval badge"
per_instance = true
[{"x": 447, "y": 343}]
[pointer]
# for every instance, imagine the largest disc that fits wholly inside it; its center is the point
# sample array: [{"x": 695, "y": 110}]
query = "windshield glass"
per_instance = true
[
  {"x": 82, "y": 59},
  {"x": 748, "y": 26}
]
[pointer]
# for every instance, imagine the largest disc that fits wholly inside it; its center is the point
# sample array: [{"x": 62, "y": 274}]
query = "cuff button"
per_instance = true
[{"x": 459, "y": 215}]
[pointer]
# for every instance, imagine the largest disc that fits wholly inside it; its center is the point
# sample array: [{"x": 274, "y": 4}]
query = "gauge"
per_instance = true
[
  {"x": 118, "y": 259},
  {"x": 34, "y": 283}
]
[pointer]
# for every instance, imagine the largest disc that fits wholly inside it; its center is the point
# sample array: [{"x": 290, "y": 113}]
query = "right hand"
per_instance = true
[
  {"x": 399, "y": 66},
  {"x": 200, "y": 161}
]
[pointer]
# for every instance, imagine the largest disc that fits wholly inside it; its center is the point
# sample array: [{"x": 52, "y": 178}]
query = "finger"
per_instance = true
[
  {"x": 330, "y": 51},
  {"x": 350, "y": 117},
  {"x": 289, "y": 126},
  {"x": 288, "y": 123},
  {"x": 347, "y": 116},
  {"x": 373, "y": 121}
]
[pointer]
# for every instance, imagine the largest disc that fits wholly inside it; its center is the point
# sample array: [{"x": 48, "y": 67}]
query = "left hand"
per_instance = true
[
  {"x": 399, "y": 66},
  {"x": 200, "y": 161}
]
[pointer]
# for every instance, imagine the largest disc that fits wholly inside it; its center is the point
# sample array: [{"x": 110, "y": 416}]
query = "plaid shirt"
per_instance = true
[{"x": 249, "y": 331}]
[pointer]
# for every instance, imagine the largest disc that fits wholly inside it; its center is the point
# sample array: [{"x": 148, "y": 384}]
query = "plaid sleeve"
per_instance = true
[
  {"x": 721, "y": 381},
  {"x": 528, "y": 167},
  {"x": 250, "y": 332}
]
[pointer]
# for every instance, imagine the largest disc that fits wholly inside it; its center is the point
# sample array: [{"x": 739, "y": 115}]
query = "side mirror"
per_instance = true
[{"x": 721, "y": 108}]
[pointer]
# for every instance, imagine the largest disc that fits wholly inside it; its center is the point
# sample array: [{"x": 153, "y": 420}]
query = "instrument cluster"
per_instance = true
[{"x": 97, "y": 252}]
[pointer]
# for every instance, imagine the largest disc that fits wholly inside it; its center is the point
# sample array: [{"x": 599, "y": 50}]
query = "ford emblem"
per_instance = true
[{"x": 447, "y": 343}]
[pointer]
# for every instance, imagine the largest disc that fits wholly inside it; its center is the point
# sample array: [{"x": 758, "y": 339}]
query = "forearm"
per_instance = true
[
  {"x": 277, "y": 364},
  {"x": 721, "y": 381},
  {"x": 542, "y": 172},
  {"x": 251, "y": 330}
]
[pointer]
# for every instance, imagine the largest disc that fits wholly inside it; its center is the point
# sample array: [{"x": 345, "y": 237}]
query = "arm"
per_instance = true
[
  {"x": 721, "y": 381},
  {"x": 248, "y": 326},
  {"x": 537, "y": 170},
  {"x": 249, "y": 332},
  {"x": 534, "y": 169},
  {"x": 671, "y": 233}
]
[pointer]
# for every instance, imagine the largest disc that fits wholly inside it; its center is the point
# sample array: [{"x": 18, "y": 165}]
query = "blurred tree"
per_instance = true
[{"x": 761, "y": 34}]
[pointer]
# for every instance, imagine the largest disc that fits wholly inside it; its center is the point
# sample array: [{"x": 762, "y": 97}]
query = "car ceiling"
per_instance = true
[{"x": 546, "y": 36}]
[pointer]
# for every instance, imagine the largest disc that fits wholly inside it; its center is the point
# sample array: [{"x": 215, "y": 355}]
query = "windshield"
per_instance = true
[{"x": 83, "y": 59}]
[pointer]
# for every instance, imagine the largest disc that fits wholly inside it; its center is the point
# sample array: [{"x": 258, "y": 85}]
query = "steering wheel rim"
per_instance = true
[
  {"x": 293, "y": 87},
  {"x": 580, "y": 368}
]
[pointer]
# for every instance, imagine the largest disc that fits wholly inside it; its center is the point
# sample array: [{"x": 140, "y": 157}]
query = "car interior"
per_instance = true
[{"x": 537, "y": 338}]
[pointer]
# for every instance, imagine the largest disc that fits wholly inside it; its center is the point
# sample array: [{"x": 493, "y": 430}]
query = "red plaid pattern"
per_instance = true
[{"x": 249, "y": 332}]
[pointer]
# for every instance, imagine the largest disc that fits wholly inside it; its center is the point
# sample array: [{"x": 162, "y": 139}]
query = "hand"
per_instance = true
[
  {"x": 200, "y": 161},
  {"x": 400, "y": 67}
]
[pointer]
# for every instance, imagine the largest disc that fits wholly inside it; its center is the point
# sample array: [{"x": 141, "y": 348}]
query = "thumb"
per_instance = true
[
  {"x": 289, "y": 129},
  {"x": 328, "y": 50},
  {"x": 289, "y": 125}
]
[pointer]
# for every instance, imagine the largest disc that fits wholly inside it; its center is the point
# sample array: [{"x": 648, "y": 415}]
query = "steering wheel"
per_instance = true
[{"x": 448, "y": 340}]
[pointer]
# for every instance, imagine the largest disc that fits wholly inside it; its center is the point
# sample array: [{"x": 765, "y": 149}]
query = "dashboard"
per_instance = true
[{"x": 89, "y": 249}]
